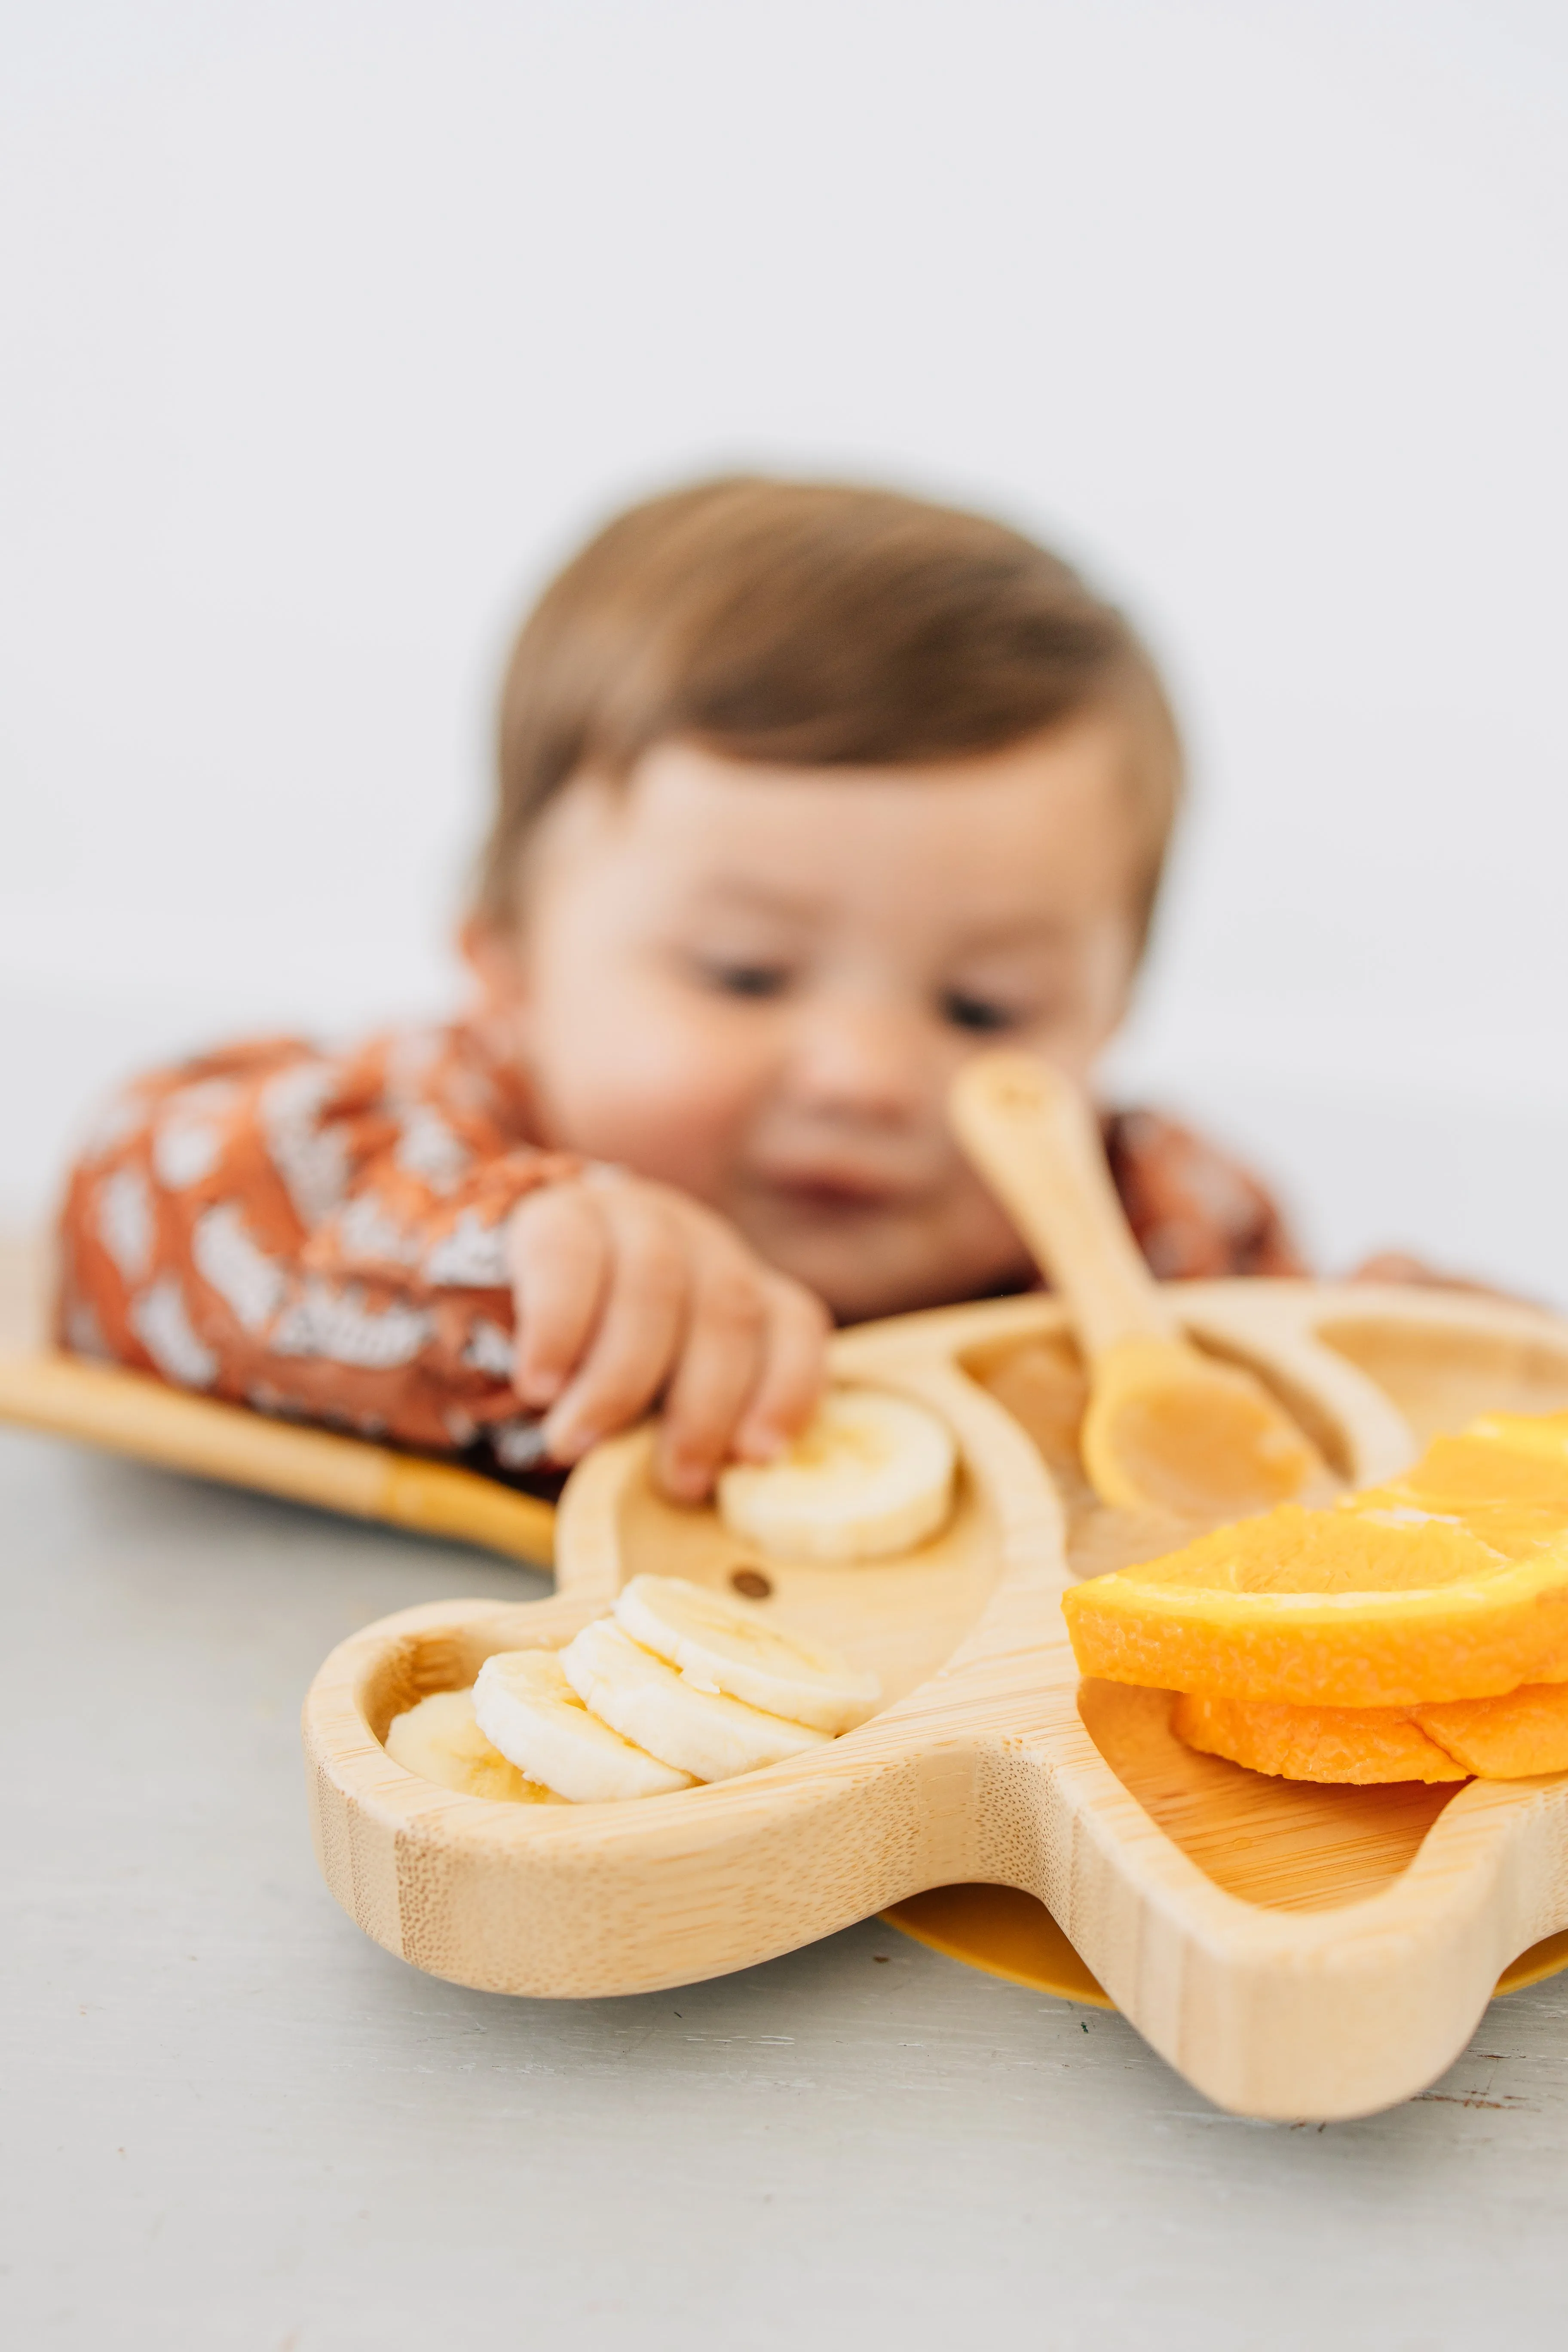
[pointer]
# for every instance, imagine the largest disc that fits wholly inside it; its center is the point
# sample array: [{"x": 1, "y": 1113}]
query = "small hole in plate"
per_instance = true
[{"x": 752, "y": 1583}]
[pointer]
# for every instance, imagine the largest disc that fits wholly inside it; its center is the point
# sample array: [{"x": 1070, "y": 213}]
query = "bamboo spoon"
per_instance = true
[{"x": 1167, "y": 1429}]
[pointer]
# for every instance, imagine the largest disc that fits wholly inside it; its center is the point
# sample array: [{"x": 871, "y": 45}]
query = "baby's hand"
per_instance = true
[{"x": 623, "y": 1289}]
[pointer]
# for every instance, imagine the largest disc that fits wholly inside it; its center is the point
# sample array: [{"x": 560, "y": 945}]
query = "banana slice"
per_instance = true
[
  {"x": 440, "y": 1741},
  {"x": 698, "y": 1731},
  {"x": 527, "y": 1709},
  {"x": 724, "y": 1647},
  {"x": 872, "y": 1474}
]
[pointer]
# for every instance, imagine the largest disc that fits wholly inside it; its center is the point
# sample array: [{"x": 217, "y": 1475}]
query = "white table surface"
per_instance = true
[{"x": 233, "y": 2121}]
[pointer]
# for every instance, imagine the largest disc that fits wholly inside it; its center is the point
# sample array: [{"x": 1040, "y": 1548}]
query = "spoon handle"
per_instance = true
[{"x": 1033, "y": 1137}]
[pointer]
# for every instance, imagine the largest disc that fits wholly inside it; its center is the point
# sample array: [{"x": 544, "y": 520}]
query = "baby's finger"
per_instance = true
[
  {"x": 794, "y": 1368},
  {"x": 716, "y": 1376},
  {"x": 559, "y": 1255},
  {"x": 630, "y": 1354}
]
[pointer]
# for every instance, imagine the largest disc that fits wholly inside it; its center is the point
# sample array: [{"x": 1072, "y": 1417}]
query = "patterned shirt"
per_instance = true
[{"x": 322, "y": 1234}]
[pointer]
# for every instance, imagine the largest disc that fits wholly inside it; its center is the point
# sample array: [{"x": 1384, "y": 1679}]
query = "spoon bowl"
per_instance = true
[{"x": 1167, "y": 1429}]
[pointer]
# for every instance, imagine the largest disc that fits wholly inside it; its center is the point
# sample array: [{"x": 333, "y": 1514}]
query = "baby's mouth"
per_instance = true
[{"x": 835, "y": 1192}]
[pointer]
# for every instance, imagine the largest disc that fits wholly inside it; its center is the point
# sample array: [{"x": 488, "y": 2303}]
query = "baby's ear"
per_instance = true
[{"x": 491, "y": 955}]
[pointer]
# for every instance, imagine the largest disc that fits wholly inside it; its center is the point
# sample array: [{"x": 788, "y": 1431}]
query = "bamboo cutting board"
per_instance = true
[{"x": 1295, "y": 1951}]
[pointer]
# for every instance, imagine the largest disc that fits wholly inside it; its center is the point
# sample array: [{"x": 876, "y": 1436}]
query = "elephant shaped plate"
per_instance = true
[{"x": 1294, "y": 1950}]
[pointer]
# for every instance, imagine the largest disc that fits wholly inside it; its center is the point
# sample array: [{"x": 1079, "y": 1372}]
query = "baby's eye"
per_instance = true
[
  {"x": 966, "y": 1011},
  {"x": 746, "y": 979}
]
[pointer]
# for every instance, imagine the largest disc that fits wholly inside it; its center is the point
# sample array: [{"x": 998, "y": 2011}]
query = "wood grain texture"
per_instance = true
[
  {"x": 134, "y": 1414},
  {"x": 1294, "y": 1955}
]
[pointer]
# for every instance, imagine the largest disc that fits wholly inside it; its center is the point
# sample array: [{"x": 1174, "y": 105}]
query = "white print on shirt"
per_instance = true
[
  {"x": 250, "y": 1283},
  {"x": 125, "y": 1222},
  {"x": 276, "y": 1403},
  {"x": 428, "y": 1149},
  {"x": 489, "y": 1349},
  {"x": 472, "y": 1256},
  {"x": 519, "y": 1444},
  {"x": 185, "y": 1151},
  {"x": 366, "y": 1232},
  {"x": 161, "y": 1321},
  {"x": 187, "y": 1140},
  {"x": 313, "y": 1159},
  {"x": 338, "y": 1325}
]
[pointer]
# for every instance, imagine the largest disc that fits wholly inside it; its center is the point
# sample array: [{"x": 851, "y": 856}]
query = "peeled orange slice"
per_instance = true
[
  {"x": 1390, "y": 1604},
  {"x": 1513, "y": 1738},
  {"x": 1509, "y": 1738},
  {"x": 1360, "y": 1744}
]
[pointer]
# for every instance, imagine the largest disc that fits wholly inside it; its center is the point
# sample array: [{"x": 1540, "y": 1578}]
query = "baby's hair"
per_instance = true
[{"x": 816, "y": 624}]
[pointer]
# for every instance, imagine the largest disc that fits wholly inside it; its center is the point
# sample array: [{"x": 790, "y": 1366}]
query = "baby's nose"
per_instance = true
[{"x": 866, "y": 1058}]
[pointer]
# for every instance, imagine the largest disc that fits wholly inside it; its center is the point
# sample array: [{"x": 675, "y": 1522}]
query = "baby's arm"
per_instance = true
[
  {"x": 341, "y": 1238},
  {"x": 1195, "y": 1212},
  {"x": 308, "y": 1233}
]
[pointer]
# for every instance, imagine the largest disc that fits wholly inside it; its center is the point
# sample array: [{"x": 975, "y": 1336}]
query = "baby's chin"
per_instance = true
[{"x": 862, "y": 1277}]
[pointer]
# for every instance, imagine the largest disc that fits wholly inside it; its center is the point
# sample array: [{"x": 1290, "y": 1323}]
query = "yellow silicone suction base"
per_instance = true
[{"x": 1009, "y": 1934}]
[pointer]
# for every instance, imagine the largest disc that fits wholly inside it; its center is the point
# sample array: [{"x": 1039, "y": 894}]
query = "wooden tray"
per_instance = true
[
  {"x": 1295, "y": 1951},
  {"x": 138, "y": 1414}
]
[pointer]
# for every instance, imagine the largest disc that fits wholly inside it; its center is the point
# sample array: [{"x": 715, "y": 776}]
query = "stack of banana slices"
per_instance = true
[
  {"x": 680, "y": 1685},
  {"x": 677, "y": 1685}
]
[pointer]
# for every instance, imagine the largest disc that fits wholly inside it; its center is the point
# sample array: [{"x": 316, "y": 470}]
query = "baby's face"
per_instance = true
[{"x": 757, "y": 984}]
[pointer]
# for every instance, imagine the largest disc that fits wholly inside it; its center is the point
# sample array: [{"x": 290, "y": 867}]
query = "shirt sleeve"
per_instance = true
[
  {"x": 311, "y": 1234},
  {"x": 1194, "y": 1211}
]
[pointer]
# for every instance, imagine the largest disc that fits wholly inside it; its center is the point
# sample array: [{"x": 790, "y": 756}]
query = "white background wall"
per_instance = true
[{"x": 330, "y": 326}]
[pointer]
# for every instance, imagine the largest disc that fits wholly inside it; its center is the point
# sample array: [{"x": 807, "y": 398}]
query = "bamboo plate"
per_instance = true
[
  {"x": 1295, "y": 1951},
  {"x": 135, "y": 1413}
]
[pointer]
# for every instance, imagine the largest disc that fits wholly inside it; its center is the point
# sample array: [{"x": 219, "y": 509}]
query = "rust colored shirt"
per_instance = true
[{"x": 321, "y": 1235}]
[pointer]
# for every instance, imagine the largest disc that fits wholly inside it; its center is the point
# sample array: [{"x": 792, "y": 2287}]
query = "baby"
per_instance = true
[{"x": 806, "y": 793}]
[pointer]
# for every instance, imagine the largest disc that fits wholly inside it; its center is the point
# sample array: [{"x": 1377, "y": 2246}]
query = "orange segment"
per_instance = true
[
  {"x": 1544, "y": 1435},
  {"x": 1299, "y": 1551},
  {"x": 1472, "y": 1467},
  {"x": 1361, "y": 1744},
  {"x": 1509, "y": 1738},
  {"x": 1514, "y": 1500},
  {"x": 1384, "y": 1607},
  {"x": 1419, "y": 1631},
  {"x": 1516, "y": 1737}
]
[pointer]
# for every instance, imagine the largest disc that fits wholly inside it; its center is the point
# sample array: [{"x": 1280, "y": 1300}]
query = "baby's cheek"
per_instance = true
[
  {"x": 657, "y": 1092},
  {"x": 682, "y": 1136}
]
